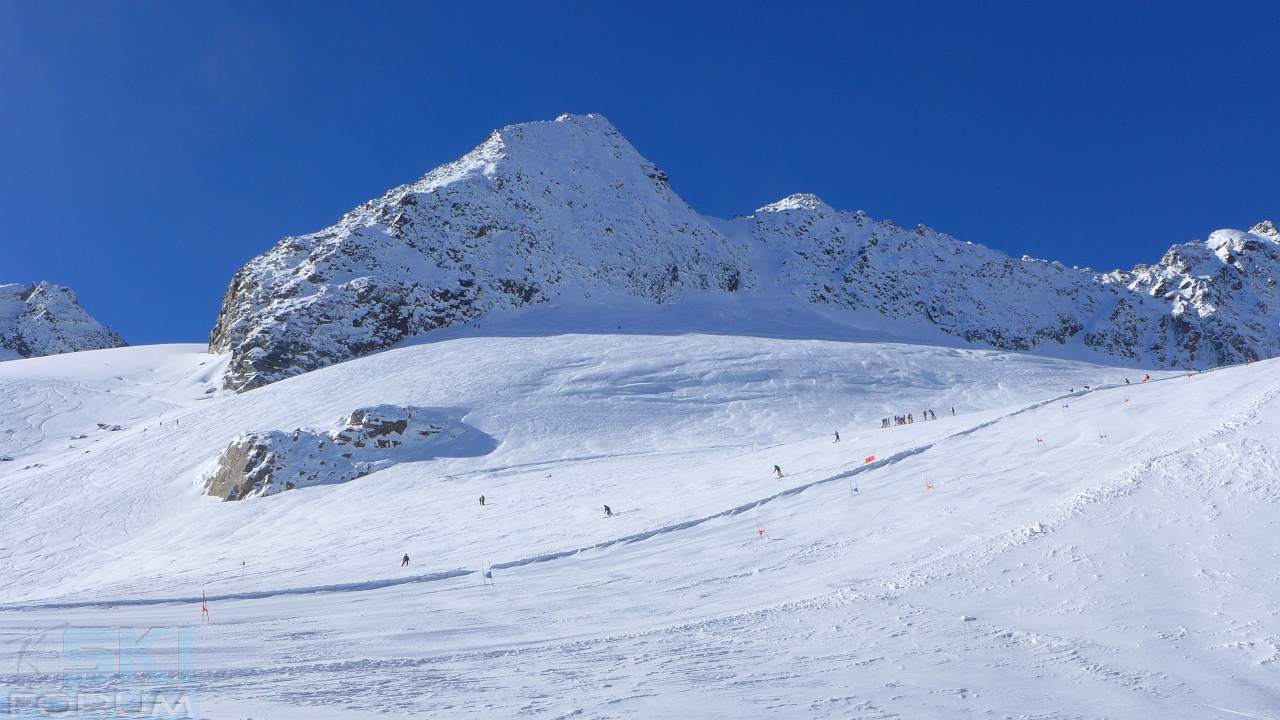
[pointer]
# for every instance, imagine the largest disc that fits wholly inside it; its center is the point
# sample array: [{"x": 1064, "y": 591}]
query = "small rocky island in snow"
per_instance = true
[{"x": 256, "y": 464}]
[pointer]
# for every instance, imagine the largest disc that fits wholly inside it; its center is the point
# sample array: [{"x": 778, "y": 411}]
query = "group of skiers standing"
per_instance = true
[{"x": 909, "y": 418}]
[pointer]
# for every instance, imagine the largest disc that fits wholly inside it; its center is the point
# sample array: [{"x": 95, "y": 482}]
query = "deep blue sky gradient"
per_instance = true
[{"x": 148, "y": 150}]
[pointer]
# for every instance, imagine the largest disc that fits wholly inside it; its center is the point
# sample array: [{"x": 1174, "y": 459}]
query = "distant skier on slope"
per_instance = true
[
  {"x": 405, "y": 561},
  {"x": 481, "y": 501},
  {"x": 837, "y": 436},
  {"x": 1146, "y": 378},
  {"x": 777, "y": 470},
  {"x": 607, "y": 511}
]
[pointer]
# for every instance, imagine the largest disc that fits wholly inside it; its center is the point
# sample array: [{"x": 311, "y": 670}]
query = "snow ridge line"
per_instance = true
[{"x": 547, "y": 557}]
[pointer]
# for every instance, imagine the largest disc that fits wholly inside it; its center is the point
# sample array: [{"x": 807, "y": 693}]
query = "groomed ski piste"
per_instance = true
[{"x": 1049, "y": 551}]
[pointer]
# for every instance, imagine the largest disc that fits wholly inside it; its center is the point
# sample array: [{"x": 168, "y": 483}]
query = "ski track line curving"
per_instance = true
[
  {"x": 559, "y": 555},
  {"x": 548, "y": 557}
]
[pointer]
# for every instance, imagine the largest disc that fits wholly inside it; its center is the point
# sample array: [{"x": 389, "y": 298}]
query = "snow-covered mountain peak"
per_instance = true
[
  {"x": 47, "y": 319},
  {"x": 1235, "y": 248},
  {"x": 1266, "y": 229},
  {"x": 545, "y": 211},
  {"x": 536, "y": 211},
  {"x": 798, "y": 201},
  {"x": 568, "y": 149},
  {"x": 577, "y": 149}
]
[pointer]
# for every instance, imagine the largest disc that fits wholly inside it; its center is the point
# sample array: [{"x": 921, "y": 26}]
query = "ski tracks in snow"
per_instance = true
[{"x": 630, "y": 539}]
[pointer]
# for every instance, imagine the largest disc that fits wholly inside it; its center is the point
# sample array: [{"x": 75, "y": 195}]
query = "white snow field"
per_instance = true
[{"x": 1101, "y": 553}]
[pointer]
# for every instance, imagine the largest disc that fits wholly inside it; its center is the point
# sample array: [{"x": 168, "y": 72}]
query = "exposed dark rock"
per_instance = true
[{"x": 262, "y": 463}]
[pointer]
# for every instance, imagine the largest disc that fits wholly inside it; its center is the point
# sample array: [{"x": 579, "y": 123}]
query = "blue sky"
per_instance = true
[{"x": 148, "y": 150}]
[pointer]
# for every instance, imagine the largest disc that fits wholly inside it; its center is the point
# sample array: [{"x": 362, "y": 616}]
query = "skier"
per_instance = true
[
  {"x": 1126, "y": 381},
  {"x": 481, "y": 501},
  {"x": 607, "y": 511},
  {"x": 953, "y": 411},
  {"x": 837, "y": 436},
  {"x": 777, "y": 470},
  {"x": 1146, "y": 378},
  {"x": 405, "y": 561}
]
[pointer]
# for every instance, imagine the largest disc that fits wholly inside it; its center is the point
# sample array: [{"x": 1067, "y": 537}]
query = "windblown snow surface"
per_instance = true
[{"x": 1108, "y": 552}]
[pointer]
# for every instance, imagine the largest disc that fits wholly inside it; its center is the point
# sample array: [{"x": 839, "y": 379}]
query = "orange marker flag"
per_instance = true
[{"x": 871, "y": 458}]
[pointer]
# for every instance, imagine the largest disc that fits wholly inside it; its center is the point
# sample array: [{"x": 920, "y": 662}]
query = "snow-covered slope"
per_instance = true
[
  {"x": 565, "y": 211},
  {"x": 1048, "y": 551},
  {"x": 46, "y": 319}
]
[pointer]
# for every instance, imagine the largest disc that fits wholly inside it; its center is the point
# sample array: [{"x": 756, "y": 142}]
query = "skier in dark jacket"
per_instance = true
[
  {"x": 837, "y": 436},
  {"x": 777, "y": 470},
  {"x": 607, "y": 511},
  {"x": 481, "y": 501},
  {"x": 405, "y": 561}
]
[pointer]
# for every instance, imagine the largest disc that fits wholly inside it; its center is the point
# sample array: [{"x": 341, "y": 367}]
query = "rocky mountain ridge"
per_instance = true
[
  {"x": 47, "y": 319},
  {"x": 545, "y": 211}
]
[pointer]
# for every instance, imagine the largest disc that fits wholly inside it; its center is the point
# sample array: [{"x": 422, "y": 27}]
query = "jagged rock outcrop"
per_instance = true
[
  {"x": 545, "y": 209},
  {"x": 1204, "y": 304},
  {"x": 47, "y": 319},
  {"x": 257, "y": 464}
]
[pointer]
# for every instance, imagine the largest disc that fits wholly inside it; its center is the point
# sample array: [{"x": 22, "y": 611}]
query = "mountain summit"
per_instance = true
[
  {"x": 568, "y": 208},
  {"x": 47, "y": 319},
  {"x": 534, "y": 209}
]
